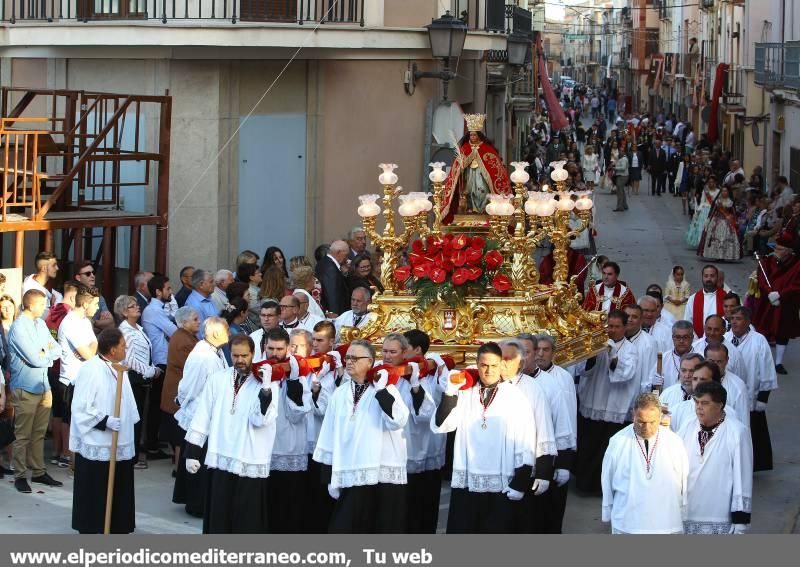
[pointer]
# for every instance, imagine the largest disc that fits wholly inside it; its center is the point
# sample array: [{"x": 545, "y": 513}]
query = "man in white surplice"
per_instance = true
[
  {"x": 362, "y": 449},
  {"x": 644, "y": 477},
  {"x": 715, "y": 335},
  {"x": 682, "y": 337},
  {"x": 608, "y": 386},
  {"x": 494, "y": 451},
  {"x": 758, "y": 372},
  {"x": 645, "y": 345},
  {"x": 720, "y": 466},
  {"x": 736, "y": 401}
]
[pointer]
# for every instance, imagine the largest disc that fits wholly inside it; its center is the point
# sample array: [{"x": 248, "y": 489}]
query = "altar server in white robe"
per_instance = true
[
  {"x": 288, "y": 483},
  {"x": 645, "y": 472},
  {"x": 363, "y": 449},
  {"x": 426, "y": 449},
  {"x": 545, "y": 351},
  {"x": 608, "y": 386},
  {"x": 683, "y": 412},
  {"x": 93, "y": 422},
  {"x": 205, "y": 359},
  {"x": 682, "y": 338},
  {"x": 720, "y": 455},
  {"x": 555, "y": 435},
  {"x": 323, "y": 385},
  {"x": 359, "y": 315},
  {"x": 758, "y": 372},
  {"x": 736, "y": 402},
  {"x": 236, "y": 415},
  {"x": 658, "y": 329},
  {"x": 715, "y": 335},
  {"x": 671, "y": 397},
  {"x": 646, "y": 347},
  {"x": 494, "y": 450}
]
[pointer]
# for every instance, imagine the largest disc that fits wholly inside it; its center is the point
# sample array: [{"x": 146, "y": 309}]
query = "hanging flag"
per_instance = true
[
  {"x": 558, "y": 119},
  {"x": 713, "y": 122}
]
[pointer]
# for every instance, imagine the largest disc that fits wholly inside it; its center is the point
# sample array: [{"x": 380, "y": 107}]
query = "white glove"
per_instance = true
[
  {"x": 513, "y": 495},
  {"x": 113, "y": 423},
  {"x": 334, "y": 492},
  {"x": 760, "y": 406},
  {"x": 437, "y": 358},
  {"x": 414, "y": 380},
  {"x": 266, "y": 376},
  {"x": 610, "y": 343},
  {"x": 275, "y": 388},
  {"x": 739, "y": 529},
  {"x": 337, "y": 358},
  {"x": 323, "y": 370},
  {"x": 774, "y": 298},
  {"x": 658, "y": 380},
  {"x": 540, "y": 486},
  {"x": 383, "y": 380},
  {"x": 561, "y": 477},
  {"x": 192, "y": 466},
  {"x": 294, "y": 368},
  {"x": 452, "y": 389}
]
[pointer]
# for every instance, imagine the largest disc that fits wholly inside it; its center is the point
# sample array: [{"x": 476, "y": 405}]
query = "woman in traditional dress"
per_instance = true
[
  {"x": 591, "y": 167},
  {"x": 720, "y": 240},
  {"x": 677, "y": 293},
  {"x": 701, "y": 212}
]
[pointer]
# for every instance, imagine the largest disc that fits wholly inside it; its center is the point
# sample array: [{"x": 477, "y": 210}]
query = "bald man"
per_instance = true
[{"x": 335, "y": 296}]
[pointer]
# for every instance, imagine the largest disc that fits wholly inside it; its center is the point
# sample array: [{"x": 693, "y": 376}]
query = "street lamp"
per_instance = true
[
  {"x": 517, "y": 48},
  {"x": 447, "y": 35}
]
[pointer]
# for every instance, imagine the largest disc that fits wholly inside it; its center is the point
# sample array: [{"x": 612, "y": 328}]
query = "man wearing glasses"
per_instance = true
[
  {"x": 306, "y": 319},
  {"x": 682, "y": 337},
  {"x": 362, "y": 449},
  {"x": 86, "y": 274}
]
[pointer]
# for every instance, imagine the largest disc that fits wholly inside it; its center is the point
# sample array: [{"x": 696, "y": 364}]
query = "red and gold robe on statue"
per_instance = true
[
  {"x": 492, "y": 169},
  {"x": 621, "y": 297}
]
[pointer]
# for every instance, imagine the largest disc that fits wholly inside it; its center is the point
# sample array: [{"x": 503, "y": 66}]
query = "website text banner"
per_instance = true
[{"x": 392, "y": 551}]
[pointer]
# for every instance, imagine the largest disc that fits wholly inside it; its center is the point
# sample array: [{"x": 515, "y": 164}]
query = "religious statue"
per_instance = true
[{"x": 477, "y": 172}]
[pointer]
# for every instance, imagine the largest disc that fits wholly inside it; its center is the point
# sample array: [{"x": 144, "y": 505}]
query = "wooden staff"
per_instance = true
[{"x": 112, "y": 462}]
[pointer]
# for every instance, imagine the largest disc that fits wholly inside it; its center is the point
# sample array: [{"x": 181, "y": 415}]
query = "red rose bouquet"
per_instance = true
[{"x": 452, "y": 267}]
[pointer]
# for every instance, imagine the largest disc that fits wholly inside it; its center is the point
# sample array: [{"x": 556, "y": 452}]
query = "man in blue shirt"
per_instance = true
[
  {"x": 158, "y": 327},
  {"x": 32, "y": 351},
  {"x": 200, "y": 298}
]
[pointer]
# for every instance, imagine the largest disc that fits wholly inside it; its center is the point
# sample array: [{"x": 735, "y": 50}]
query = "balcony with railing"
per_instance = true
[
  {"x": 175, "y": 11},
  {"x": 777, "y": 65}
]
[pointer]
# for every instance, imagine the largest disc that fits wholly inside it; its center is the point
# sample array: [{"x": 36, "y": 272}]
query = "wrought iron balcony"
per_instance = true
[
  {"x": 167, "y": 11},
  {"x": 777, "y": 65}
]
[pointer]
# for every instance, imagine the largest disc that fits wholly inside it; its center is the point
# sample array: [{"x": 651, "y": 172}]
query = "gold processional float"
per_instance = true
[{"x": 475, "y": 280}]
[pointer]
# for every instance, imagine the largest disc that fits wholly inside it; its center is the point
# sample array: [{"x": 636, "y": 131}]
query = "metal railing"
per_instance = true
[
  {"x": 778, "y": 64},
  {"x": 287, "y": 11},
  {"x": 498, "y": 16}
]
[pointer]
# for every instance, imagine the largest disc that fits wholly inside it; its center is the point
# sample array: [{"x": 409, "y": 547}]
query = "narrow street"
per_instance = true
[{"x": 647, "y": 241}]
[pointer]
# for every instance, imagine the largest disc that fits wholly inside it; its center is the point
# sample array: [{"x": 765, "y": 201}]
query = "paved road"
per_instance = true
[{"x": 647, "y": 241}]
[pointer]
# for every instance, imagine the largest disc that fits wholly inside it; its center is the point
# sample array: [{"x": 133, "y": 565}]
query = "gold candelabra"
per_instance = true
[{"x": 546, "y": 216}]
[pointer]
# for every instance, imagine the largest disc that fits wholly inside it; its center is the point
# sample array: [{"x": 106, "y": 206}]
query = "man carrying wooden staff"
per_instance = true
[{"x": 103, "y": 415}]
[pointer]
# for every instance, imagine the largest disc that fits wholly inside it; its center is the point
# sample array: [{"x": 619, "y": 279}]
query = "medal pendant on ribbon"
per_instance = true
[{"x": 233, "y": 411}]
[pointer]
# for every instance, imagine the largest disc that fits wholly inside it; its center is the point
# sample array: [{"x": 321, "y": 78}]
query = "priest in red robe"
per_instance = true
[
  {"x": 610, "y": 294},
  {"x": 477, "y": 172}
]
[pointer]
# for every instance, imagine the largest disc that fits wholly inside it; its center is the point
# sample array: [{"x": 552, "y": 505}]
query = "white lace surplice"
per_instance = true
[{"x": 365, "y": 446}]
